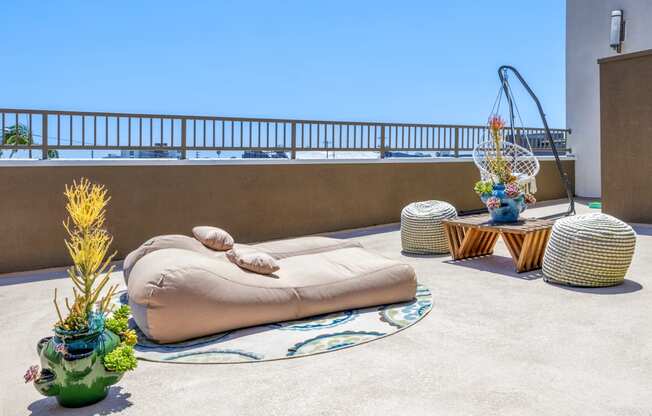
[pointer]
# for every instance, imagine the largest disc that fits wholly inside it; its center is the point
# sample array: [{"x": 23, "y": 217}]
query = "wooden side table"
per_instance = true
[{"x": 475, "y": 236}]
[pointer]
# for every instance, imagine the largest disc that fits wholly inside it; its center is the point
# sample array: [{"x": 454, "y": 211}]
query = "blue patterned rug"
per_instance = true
[{"x": 318, "y": 334}]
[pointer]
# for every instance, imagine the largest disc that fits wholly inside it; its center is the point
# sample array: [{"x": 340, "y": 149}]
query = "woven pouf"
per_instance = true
[
  {"x": 589, "y": 250},
  {"x": 421, "y": 229}
]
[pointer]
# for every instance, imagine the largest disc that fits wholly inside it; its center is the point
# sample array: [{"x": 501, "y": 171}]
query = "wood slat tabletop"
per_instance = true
[{"x": 483, "y": 221}]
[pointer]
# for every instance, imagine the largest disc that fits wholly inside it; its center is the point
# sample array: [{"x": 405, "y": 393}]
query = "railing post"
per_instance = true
[
  {"x": 382, "y": 141},
  {"x": 293, "y": 131},
  {"x": 183, "y": 138},
  {"x": 457, "y": 142},
  {"x": 44, "y": 137}
]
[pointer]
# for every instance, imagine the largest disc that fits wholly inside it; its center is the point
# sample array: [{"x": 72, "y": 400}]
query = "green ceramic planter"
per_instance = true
[{"x": 73, "y": 365}]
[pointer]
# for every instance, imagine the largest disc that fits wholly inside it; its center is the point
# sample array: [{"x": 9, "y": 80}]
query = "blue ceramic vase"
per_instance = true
[{"x": 510, "y": 208}]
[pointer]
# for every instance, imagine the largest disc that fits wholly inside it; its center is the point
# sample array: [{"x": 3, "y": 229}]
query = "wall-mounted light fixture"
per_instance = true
[{"x": 617, "y": 35}]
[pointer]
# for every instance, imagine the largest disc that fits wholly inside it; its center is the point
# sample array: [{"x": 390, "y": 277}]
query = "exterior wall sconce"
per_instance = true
[{"x": 617, "y": 35}]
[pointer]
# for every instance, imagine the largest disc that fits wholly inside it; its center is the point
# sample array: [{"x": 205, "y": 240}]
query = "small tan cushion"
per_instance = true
[
  {"x": 213, "y": 237},
  {"x": 252, "y": 260}
]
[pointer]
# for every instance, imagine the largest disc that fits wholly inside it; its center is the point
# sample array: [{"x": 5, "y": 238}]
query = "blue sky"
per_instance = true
[{"x": 429, "y": 61}]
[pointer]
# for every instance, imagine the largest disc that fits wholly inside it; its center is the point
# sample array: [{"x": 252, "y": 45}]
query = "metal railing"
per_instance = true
[{"x": 44, "y": 133}]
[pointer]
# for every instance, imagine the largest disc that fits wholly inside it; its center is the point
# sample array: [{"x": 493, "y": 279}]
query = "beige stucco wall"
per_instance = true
[
  {"x": 626, "y": 132},
  {"x": 587, "y": 40},
  {"x": 253, "y": 201}
]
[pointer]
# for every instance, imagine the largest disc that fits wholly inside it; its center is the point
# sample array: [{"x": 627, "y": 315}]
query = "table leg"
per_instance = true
[
  {"x": 454, "y": 239},
  {"x": 527, "y": 251},
  {"x": 486, "y": 242},
  {"x": 469, "y": 242},
  {"x": 514, "y": 243}
]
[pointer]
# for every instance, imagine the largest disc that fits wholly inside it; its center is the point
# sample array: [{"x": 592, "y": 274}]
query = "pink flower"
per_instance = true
[
  {"x": 512, "y": 190},
  {"x": 493, "y": 202},
  {"x": 32, "y": 373},
  {"x": 530, "y": 199}
]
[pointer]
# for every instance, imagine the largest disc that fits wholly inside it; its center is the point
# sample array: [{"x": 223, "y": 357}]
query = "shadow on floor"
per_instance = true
[
  {"x": 642, "y": 229},
  {"x": 42, "y": 275},
  {"x": 424, "y": 256},
  {"x": 504, "y": 266},
  {"x": 115, "y": 402},
  {"x": 34, "y": 276},
  {"x": 628, "y": 286},
  {"x": 501, "y": 265},
  {"x": 145, "y": 345},
  {"x": 361, "y": 232}
]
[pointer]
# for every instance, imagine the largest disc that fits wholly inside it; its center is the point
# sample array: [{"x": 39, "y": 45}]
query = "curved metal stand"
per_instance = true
[{"x": 563, "y": 175}]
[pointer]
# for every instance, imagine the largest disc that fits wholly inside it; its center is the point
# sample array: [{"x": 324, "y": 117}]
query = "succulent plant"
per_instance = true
[
  {"x": 512, "y": 190},
  {"x": 121, "y": 359},
  {"x": 32, "y": 373},
  {"x": 530, "y": 199},
  {"x": 493, "y": 202},
  {"x": 118, "y": 323},
  {"x": 483, "y": 187}
]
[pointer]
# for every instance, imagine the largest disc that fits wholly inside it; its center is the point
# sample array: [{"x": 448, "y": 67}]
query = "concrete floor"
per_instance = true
[{"x": 496, "y": 343}]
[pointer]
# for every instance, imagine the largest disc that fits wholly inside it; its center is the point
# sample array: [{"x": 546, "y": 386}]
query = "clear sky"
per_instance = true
[{"x": 416, "y": 61}]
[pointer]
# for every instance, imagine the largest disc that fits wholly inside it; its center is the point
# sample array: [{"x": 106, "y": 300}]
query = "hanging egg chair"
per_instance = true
[
  {"x": 515, "y": 148},
  {"x": 521, "y": 161}
]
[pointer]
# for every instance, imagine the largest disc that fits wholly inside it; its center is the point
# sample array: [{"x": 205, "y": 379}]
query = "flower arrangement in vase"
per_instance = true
[
  {"x": 501, "y": 193},
  {"x": 91, "y": 348}
]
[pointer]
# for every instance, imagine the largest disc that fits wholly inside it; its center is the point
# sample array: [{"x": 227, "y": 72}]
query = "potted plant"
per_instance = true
[
  {"x": 501, "y": 193},
  {"x": 92, "y": 346}
]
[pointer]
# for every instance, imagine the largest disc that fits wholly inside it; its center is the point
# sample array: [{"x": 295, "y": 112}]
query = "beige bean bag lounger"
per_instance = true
[{"x": 180, "y": 289}]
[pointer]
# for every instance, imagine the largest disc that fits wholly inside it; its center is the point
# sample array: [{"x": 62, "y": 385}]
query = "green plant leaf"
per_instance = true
[{"x": 121, "y": 359}]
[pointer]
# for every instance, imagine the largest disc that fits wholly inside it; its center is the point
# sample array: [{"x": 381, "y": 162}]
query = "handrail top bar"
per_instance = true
[
  {"x": 245, "y": 119},
  {"x": 9, "y": 163}
]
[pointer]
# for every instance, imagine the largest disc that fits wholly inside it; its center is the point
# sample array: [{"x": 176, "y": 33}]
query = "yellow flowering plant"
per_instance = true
[
  {"x": 499, "y": 166},
  {"x": 88, "y": 244}
]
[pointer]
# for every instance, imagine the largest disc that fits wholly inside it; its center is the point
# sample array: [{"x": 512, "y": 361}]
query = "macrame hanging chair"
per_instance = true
[{"x": 514, "y": 147}]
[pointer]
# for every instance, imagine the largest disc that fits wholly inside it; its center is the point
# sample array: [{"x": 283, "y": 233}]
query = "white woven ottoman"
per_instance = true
[
  {"x": 589, "y": 250},
  {"x": 421, "y": 229}
]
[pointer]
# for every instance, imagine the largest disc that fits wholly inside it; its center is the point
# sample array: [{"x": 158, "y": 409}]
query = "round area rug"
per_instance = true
[{"x": 314, "y": 335}]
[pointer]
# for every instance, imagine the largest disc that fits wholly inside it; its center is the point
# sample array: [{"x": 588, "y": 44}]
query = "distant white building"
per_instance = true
[
  {"x": 588, "y": 29},
  {"x": 151, "y": 154}
]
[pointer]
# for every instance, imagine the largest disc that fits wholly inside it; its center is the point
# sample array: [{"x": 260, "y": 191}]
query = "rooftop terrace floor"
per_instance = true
[{"x": 496, "y": 342}]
